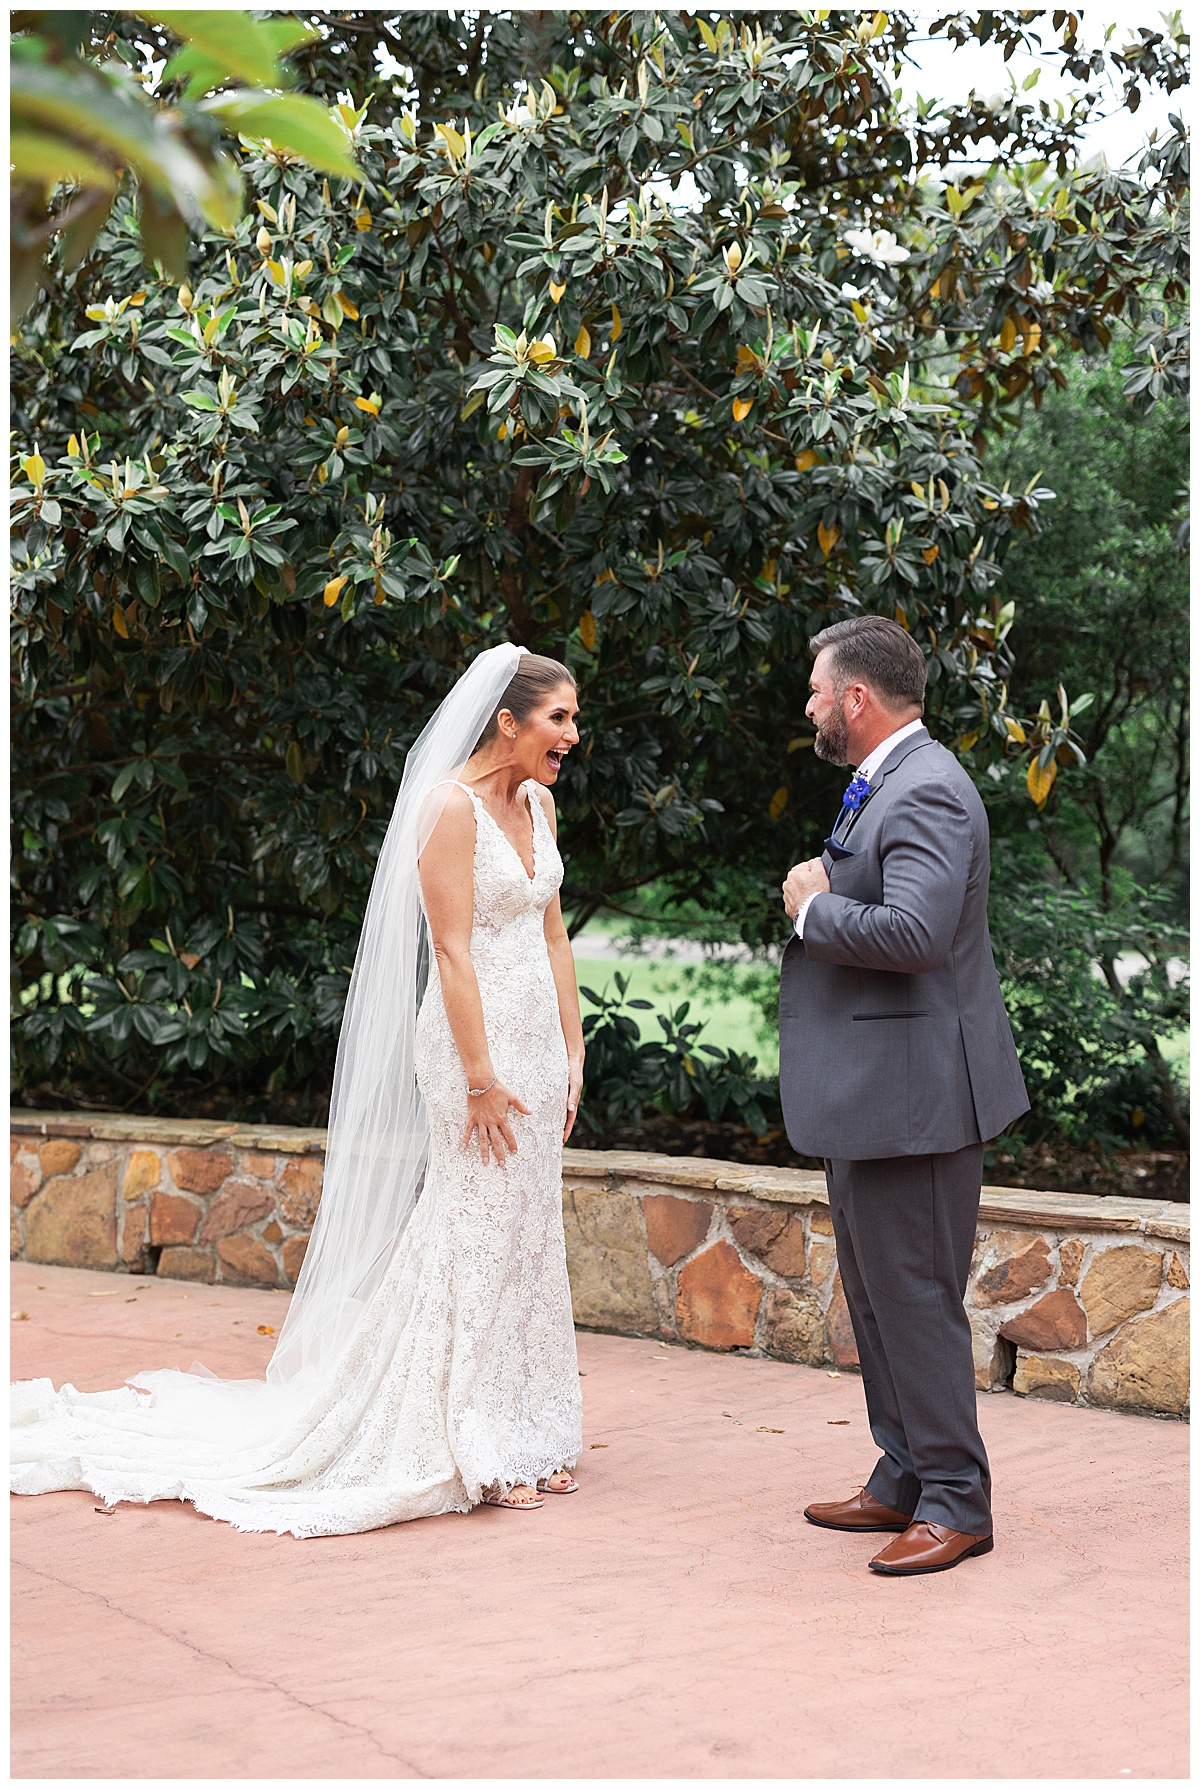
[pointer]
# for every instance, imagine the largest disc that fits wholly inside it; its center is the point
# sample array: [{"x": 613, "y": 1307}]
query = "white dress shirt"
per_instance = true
[{"x": 867, "y": 768}]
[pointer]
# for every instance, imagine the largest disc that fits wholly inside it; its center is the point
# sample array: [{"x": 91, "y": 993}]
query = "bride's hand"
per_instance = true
[
  {"x": 487, "y": 1113},
  {"x": 573, "y": 1093}
]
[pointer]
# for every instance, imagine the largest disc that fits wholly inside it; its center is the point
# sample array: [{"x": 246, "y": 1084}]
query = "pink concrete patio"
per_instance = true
[{"x": 678, "y": 1618}]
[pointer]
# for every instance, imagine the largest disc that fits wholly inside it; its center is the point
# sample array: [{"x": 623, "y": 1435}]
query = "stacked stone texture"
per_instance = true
[
  {"x": 189, "y": 1201},
  {"x": 1075, "y": 1299}
]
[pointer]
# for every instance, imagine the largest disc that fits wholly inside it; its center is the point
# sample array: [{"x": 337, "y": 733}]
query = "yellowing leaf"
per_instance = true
[
  {"x": 34, "y": 468},
  {"x": 502, "y": 432},
  {"x": 1039, "y": 780},
  {"x": 367, "y": 404},
  {"x": 277, "y": 272},
  {"x": 363, "y": 220},
  {"x": 210, "y": 329},
  {"x": 828, "y": 537},
  {"x": 454, "y": 140},
  {"x": 95, "y": 313},
  {"x": 583, "y": 342},
  {"x": 746, "y": 358},
  {"x": 119, "y": 622},
  {"x": 742, "y": 408},
  {"x": 778, "y": 801},
  {"x": 967, "y": 741},
  {"x": 860, "y": 311},
  {"x": 333, "y": 590},
  {"x": 1008, "y": 335},
  {"x": 342, "y": 436},
  {"x": 587, "y": 630},
  {"x": 542, "y": 351},
  {"x": 73, "y": 448},
  {"x": 617, "y": 325},
  {"x": 806, "y": 459},
  {"x": 556, "y": 291},
  {"x": 929, "y": 554},
  {"x": 380, "y": 593},
  {"x": 268, "y": 211},
  {"x": 304, "y": 269},
  {"x": 322, "y": 473},
  {"x": 347, "y": 306},
  {"x": 1015, "y": 730}
]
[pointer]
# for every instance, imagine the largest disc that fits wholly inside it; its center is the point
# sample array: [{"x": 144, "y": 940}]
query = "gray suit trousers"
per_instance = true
[{"x": 905, "y": 1232}]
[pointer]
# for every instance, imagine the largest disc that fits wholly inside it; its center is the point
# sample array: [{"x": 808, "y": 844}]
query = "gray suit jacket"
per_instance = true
[{"x": 893, "y": 1038}]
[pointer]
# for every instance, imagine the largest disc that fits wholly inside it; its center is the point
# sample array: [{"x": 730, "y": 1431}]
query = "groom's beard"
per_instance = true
[{"x": 831, "y": 742}]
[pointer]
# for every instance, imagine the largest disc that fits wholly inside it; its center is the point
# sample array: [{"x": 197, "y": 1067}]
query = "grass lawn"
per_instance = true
[
  {"x": 732, "y": 1024},
  {"x": 1177, "y": 1050}
]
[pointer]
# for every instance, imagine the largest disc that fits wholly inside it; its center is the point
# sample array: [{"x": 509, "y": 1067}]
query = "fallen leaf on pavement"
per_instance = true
[
  {"x": 266, "y": 1329},
  {"x": 766, "y": 1431},
  {"x": 20, "y": 1316},
  {"x": 838, "y": 1422}
]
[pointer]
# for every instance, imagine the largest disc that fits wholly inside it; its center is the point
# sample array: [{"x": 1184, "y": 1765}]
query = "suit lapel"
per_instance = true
[{"x": 913, "y": 743}]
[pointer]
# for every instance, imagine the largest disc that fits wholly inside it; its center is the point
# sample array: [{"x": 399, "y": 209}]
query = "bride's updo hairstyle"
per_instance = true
[{"x": 534, "y": 679}]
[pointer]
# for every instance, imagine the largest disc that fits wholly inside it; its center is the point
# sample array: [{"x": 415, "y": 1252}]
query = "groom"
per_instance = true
[{"x": 896, "y": 1065}]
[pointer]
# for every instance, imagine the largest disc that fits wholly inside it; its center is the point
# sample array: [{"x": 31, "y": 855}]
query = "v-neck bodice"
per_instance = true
[{"x": 506, "y": 895}]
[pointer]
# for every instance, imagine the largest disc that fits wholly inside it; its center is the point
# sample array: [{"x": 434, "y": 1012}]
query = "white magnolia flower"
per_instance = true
[
  {"x": 879, "y": 246},
  {"x": 1042, "y": 291},
  {"x": 519, "y": 116}
]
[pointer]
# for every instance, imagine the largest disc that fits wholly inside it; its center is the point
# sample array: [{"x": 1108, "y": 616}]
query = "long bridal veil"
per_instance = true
[
  {"x": 377, "y": 1145},
  {"x": 378, "y": 1137}
]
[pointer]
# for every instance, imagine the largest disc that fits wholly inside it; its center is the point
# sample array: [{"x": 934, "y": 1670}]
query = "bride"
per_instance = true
[{"x": 427, "y": 1362}]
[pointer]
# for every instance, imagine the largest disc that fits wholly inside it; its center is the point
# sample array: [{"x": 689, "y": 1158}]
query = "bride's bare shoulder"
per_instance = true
[{"x": 447, "y": 818}]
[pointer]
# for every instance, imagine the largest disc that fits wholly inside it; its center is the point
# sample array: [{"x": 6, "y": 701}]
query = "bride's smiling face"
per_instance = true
[{"x": 543, "y": 741}]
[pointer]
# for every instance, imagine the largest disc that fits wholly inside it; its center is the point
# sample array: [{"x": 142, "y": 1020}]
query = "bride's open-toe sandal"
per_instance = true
[
  {"x": 572, "y": 1484},
  {"x": 509, "y": 1501}
]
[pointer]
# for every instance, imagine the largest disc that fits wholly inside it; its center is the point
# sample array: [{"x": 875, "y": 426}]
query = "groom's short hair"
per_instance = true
[{"x": 871, "y": 649}]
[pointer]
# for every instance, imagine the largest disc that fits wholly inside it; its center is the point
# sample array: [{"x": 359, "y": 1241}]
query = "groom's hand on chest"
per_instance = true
[{"x": 804, "y": 879}]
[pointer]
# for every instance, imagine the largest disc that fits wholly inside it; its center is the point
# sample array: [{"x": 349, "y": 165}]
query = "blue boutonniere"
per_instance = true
[{"x": 856, "y": 794}]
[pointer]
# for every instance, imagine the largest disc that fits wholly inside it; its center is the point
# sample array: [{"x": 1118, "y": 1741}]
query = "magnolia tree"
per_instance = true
[{"x": 650, "y": 341}]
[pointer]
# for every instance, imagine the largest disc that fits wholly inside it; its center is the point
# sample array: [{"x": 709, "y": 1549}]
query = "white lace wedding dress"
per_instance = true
[{"x": 461, "y": 1377}]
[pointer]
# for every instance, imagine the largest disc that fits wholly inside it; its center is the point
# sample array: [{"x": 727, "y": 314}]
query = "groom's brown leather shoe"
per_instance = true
[
  {"x": 928, "y": 1547},
  {"x": 861, "y": 1514}
]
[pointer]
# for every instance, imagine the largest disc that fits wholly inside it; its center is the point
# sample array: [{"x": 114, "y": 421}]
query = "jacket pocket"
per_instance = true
[{"x": 923, "y": 1014}]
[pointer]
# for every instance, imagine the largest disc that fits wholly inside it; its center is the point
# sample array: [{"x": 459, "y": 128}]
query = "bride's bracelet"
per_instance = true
[{"x": 475, "y": 1092}]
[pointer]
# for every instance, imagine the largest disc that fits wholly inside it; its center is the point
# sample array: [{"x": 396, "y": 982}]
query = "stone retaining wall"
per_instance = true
[{"x": 1081, "y": 1300}]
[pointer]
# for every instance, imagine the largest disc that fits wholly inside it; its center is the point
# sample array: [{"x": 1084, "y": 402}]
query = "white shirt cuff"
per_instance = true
[{"x": 799, "y": 920}]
